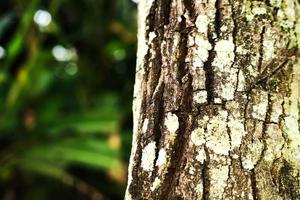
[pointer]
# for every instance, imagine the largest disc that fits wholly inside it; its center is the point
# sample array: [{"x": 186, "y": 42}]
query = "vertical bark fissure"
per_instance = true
[
  {"x": 208, "y": 68},
  {"x": 158, "y": 117},
  {"x": 234, "y": 38},
  {"x": 261, "y": 50},
  {"x": 209, "y": 75},
  {"x": 182, "y": 114},
  {"x": 217, "y": 21},
  {"x": 182, "y": 70},
  {"x": 229, "y": 153},
  {"x": 205, "y": 175},
  {"x": 190, "y": 7},
  {"x": 254, "y": 185},
  {"x": 248, "y": 93}
]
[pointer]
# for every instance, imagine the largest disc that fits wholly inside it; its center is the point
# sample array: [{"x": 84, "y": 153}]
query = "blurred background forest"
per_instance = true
[{"x": 66, "y": 84}]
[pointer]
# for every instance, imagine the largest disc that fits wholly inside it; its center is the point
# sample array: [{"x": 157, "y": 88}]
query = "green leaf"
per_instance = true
[
  {"x": 101, "y": 118},
  {"x": 87, "y": 152}
]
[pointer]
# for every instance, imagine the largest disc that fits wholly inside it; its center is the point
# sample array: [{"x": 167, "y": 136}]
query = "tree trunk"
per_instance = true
[{"x": 216, "y": 101}]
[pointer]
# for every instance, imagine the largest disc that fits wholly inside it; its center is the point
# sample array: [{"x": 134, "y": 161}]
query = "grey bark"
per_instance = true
[{"x": 216, "y": 101}]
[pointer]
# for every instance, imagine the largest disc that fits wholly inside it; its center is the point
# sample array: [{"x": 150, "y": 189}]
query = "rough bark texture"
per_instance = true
[{"x": 216, "y": 101}]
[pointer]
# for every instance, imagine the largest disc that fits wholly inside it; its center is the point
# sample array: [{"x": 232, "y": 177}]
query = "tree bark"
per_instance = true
[{"x": 216, "y": 101}]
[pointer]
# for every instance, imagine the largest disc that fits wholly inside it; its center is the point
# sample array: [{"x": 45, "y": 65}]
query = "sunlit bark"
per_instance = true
[{"x": 216, "y": 101}]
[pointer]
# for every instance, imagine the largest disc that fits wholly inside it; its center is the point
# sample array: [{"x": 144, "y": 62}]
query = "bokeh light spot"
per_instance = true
[{"x": 42, "y": 18}]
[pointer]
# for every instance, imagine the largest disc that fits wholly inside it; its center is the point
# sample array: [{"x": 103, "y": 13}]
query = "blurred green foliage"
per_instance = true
[{"x": 66, "y": 80}]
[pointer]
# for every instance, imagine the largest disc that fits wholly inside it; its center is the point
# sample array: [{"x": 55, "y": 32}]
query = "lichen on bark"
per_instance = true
[{"x": 216, "y": 101}]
